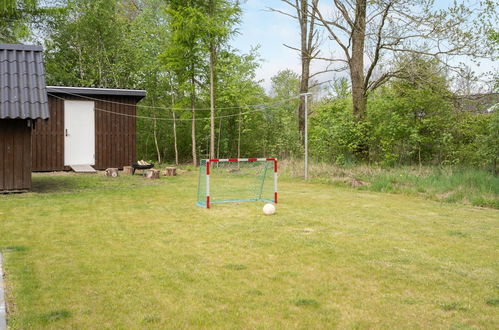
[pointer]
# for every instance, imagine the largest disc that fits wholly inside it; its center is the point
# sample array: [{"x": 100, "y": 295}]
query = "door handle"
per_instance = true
[{"x": 66, "y": 132}]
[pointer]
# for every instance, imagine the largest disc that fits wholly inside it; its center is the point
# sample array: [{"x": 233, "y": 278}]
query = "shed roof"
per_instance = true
[
  {"x": 139, "y": 93},
  {"x": 22, "y": 82}
]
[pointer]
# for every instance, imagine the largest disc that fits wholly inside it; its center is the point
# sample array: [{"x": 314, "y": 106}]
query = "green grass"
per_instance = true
[
  {"x": 85, "y": 251},
  {"x": 451, "y": 185}
]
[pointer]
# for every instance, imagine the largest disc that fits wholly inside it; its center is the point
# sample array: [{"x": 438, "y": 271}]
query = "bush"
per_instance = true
[
  {"x": 335, "y": 135},
  {"x": 410, "y": 120}
]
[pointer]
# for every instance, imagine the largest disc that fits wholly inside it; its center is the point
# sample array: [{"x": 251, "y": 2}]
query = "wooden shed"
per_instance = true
[
  {"x": 88, "y": 128},
  {"x": 23, "y": 100}
]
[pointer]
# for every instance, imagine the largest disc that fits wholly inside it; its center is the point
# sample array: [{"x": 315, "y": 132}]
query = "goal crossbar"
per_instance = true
[{"x": 209, "y": 165}]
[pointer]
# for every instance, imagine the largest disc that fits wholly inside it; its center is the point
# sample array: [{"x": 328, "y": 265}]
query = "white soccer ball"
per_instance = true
[{"x": 268, "y": 209}]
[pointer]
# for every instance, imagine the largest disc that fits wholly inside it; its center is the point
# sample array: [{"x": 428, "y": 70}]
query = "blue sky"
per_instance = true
[{"x": 270, "y": 30}]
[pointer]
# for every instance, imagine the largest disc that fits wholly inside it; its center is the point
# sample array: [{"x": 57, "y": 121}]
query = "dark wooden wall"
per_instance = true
[
  {"x": 48, "y": 139},
  {"x": 15, "y": 155},
  {"x": 114, "y": 134}
]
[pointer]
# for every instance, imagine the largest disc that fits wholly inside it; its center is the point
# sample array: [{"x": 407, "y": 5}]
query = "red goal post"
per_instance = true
[{"x": 206, "y": 170}]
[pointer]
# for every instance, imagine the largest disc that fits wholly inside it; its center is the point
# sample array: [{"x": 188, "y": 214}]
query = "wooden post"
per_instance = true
[
  {"x": 127, "y": 170},
  {"x": 170, "y": 171},
  {"x": 112, "y": 172},
  {"x": 152, "y": 174}
]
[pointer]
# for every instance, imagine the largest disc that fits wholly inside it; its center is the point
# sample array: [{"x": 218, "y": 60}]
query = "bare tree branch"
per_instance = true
[
  {"x": 282, "y": 12},
  {"x": 344, "y": 12},
  {"x": 326, "y": 71},
  {"x": 327, "y": 59},
  {"x": 309, "y": 44},
  {"x": 332, "y": 34},
  {"x": 378, "y": 46}
]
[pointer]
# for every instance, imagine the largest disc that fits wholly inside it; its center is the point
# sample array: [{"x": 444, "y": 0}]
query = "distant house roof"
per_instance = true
[
  {"x": 478, "y": 103},
  {"x": 22, "y": 82},
  {"x": 139, "y": 93},
  {"x": 493, "y": 108}
]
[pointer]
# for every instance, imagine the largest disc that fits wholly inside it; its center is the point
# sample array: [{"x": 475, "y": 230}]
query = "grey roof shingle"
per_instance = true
[{"x": 22, "y": 82}]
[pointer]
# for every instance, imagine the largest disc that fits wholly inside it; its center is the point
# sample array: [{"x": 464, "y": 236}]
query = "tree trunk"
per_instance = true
[
  {"x": 305, "y": 63},
  {"x": 193, "y": 123},
  {"x": 212, "y": 50},
  {"x": 359, "y": 95},
  {"x": 303, "y": 89},
  {"x": 219, "y": 134},
  {"x": 239, "y": 138},
  {"x": 170, "y": 171},
  {"x": 80, "y": 63},
  {"x": 128, "y": 170},
  {"x": 152, "y": 174},
  {"x": 175, "y": 137},
  {"x": 155, "y": 133},
  {"x": 175, "y": 147},
  {"x": 212, "y": 100}
]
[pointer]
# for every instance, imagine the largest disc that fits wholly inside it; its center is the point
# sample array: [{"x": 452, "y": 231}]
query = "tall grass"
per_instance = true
[{"x": 446, "y": 184}]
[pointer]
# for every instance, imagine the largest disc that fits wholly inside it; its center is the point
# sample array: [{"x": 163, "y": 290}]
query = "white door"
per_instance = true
[{"x": 79, "y": 133}]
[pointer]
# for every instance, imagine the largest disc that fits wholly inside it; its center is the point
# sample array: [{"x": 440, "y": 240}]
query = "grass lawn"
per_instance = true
[{"x": 93, "y": 252}]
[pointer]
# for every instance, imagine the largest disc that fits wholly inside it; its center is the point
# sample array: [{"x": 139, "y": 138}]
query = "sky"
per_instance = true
[{"x": 270, "y": 30}]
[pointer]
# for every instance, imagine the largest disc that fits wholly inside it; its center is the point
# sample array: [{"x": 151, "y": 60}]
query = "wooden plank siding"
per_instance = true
[
  {"x": 115, "y": 135},
  {"x": 48, "y": 139},
  {"x": 15, "y": 155}
]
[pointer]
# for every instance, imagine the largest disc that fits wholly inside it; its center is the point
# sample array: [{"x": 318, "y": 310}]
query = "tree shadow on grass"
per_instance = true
[
  {"x": 67, "y": 183},
  {"x": 43, "y": 185}
]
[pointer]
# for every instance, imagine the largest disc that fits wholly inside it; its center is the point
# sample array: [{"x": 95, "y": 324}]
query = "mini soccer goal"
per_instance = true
[{"x": 237, "y": 180}]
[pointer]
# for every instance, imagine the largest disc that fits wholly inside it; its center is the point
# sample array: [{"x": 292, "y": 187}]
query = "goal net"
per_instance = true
[{"x": 237, "y": 180}]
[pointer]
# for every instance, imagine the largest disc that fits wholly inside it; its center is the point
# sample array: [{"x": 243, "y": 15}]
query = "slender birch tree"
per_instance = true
[
  {"x": 220, "y": 21},
  {"x": 184, "y": 53}
]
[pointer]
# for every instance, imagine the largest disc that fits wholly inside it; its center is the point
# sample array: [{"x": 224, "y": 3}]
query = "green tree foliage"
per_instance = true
[
  {"x": 283, "y": 135},
  {"x": 149, "y": 33},
  {"x": 221, "y": 16},
  {"x": 489, "y": 143},
  {"x": 184, "y": 54},
  {"x": 179, "y": 52},
  {"x": 13, "y": 25},
  {"x": 218, "y": 24},
  {"x": 90, "y": 45},
  {"x": 335, "y": 134},
  {"x": 18, "y": 18},
  {"x": 411, "y": 120},
  {"x": 237, "y": 129},
  {"x": 493, "y": 36}
]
